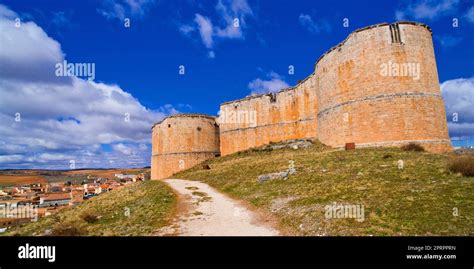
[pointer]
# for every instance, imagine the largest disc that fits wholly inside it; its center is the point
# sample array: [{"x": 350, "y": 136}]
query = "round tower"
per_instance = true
[
  {"x": 379, "y": 87},
  {"x": 182, "y": 141}
]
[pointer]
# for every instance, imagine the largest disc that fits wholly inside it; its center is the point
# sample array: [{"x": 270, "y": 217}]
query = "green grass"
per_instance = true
[
  {"x": 418, "y": 200},
  {"x": 150, "y": 204}
]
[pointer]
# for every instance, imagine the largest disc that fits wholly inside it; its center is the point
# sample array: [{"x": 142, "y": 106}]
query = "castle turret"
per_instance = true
[
  {"x": 380, "y": 87},
  {"x": 182, "y": 141}
]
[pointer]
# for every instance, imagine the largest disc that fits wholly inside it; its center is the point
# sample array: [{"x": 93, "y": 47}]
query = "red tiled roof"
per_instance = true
[{"x": 56, "y": 196}]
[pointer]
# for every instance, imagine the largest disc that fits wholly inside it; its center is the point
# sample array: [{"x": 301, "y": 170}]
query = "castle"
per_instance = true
[{"x": 378, "y": 87}]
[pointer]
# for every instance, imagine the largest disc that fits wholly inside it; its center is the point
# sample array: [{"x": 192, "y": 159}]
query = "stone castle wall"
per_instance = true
[
  {"x": 379, "y": 87},
  {"x": 350, "y": 98},
  {"x": 360, "y": 101},
  {"x": 259, "y": 120},
  {"x": 182, "y": 141}
]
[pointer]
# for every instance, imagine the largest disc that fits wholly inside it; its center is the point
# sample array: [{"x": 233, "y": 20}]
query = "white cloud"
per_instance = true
[
  {"x": 121, "y": 9},
  {"x": 7, "y": 13},
  {"x": 230, "y": 23},
  {"x": 426, "y": 9},
  {"x": 66, "y": 119},
  {"x": 232, "y": 12},
  {"x": 122, "y": 148},
  {"x": 168, "y": 109},
  {"x": 273, "y": 83},
  {"x": 142, "y": 147},
  {"x": 312, "y": 26},
  {"x": 470, "y": 14},
  {"x": 47, "y": 157},
  {"x": 205, "y": 30},
  {"x": 10, "y": 158},
  {"x": 19, "y": 54},
  {"x": 458, "y": 95},
  {"x": 186, "y": 29},
  {"x": 60, "y": 19}
]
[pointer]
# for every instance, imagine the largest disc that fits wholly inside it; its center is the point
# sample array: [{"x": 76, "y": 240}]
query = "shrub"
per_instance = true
[
  {"x": 413, "y": 147},
  {"x": 67, "y": 229},
  {"x": 89, "y": 217},
  {"x": 463, "y": 165}
]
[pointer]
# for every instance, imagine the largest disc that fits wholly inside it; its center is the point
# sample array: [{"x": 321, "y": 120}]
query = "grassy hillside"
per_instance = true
[
  {"x": 150, "y": 205},
  {"x": 424, "y": 198}
]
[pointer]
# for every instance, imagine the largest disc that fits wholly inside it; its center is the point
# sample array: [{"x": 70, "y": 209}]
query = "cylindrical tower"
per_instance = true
[
  {"x": 380, "y": 87},
  {"x": 182, "y": 141}
]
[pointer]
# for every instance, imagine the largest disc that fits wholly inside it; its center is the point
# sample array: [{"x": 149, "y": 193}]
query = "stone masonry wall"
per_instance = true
[
  {"x": 182, "y": 141},
  {"x": 261, "y": 119},
  {"x": 353, "y": 99},
  {"x": 362, "y": 103}
]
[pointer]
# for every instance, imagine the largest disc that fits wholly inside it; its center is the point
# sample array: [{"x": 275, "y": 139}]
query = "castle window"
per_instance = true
[
  {"x": 273, "y": 98},
  {"x": 395, "y": 33},
  {"x": 169, "y": 125},
  {"x": 199, "y": 129}
]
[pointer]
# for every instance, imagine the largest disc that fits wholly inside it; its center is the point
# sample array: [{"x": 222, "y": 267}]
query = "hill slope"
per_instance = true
[
  {"x": 138, "y": 209},
  {"x": 423, "y": 198}
]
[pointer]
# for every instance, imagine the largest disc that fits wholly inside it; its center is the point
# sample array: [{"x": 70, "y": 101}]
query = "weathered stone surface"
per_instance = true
[
  {"x": 357, "y": 103},
  {"x": 277, "y": 175},
  {"x": 182, "y": 141},
  {"x": 293, "y": 144},
  {"x": 289, "y": 114}
]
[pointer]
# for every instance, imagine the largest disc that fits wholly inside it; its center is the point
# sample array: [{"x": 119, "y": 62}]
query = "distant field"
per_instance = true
[
  {"x": 16, "y": 177},
  {"x": 105, "y": 173},
  {"x": 8, "y": 180}
]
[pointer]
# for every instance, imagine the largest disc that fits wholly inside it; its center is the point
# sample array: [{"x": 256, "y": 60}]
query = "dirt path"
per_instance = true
[{"x": 205, "y": 211}]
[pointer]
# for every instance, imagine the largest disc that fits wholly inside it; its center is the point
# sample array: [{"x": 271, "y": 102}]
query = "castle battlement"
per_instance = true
[{"x": 378, "y": 87}]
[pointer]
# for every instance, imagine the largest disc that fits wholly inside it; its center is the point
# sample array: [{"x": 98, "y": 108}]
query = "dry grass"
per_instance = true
[
  {"x": 413, "y": 147},
  {"x": 463, "y": 165},
  {"x": 68, "y": 229},
  {"x": 137, "y": 210},
  {"x": 89, "y": 217}
]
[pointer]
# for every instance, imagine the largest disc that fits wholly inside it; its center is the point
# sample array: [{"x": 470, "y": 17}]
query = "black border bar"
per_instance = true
[{"x": 238, "y": 250}]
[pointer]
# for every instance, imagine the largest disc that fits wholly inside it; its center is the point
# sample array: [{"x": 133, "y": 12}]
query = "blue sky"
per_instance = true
[{"x": 137, "y": 67}]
